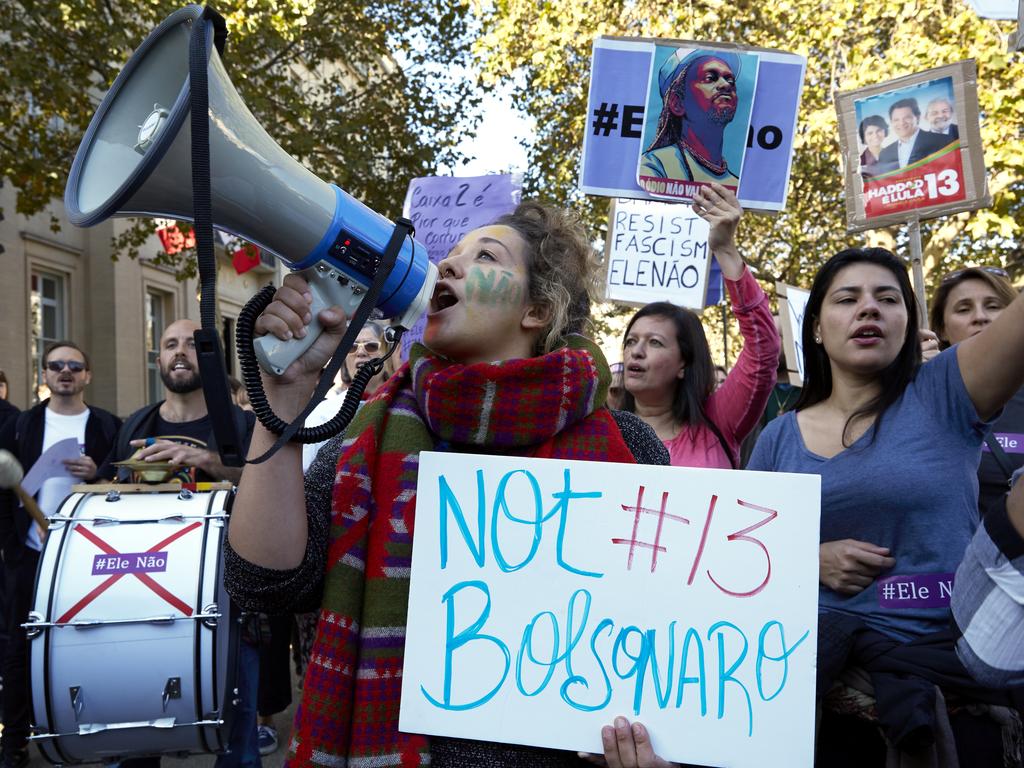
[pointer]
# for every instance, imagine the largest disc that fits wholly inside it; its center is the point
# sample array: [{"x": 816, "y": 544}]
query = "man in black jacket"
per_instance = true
[
  {"x": 64, "y": 416},
  {"x": 912, "y": 143}
]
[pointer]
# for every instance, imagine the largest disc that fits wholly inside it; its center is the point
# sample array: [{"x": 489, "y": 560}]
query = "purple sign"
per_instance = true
[
  {"x": 620, "y": 72},
  {"x": 129, "y": 562},
  {"x": 916, "y": 590},
  {"x": 444, "y": 208},
  {"x": 1008, "y": 441}
]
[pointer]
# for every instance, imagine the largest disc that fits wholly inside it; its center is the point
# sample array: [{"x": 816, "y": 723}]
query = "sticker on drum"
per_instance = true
[{"x": 132, "y": 639}]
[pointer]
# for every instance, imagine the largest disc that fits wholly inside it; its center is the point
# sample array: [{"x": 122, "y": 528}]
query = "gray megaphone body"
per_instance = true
[{"x": 135, "y": 160}]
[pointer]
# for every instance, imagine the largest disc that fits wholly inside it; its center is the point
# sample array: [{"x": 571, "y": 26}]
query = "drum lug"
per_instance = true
[
  {"x": 185, "y": 494},
  {"x": 34, "y": 617},
  {"x": 210, "y": 621},
  {"x": 77, "y": 700},
  {"x": 172, "y": 690},
  {"x": 113, "y": 496}
]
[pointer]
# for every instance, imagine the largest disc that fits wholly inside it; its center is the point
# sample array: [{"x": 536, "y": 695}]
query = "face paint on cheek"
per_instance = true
[{"x": 480, "y": 287}]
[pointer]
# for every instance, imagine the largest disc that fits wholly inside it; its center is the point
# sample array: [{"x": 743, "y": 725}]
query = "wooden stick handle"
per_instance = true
[{"x": 33, "y": 509}]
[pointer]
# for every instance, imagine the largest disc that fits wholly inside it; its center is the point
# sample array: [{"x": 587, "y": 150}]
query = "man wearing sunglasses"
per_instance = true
[{"x": 64, "y": 415}]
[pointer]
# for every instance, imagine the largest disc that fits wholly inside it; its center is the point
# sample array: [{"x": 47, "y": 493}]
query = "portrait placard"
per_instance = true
[
  {"x": 1017, "y": 38},
  {"x": 912, "y": 148},
  {"x": 617, "y": 115},
  {"x": 549, "y": 596},
  {"x": 444, "y": 208},
  {"x": 656, "y": 252},
  {"x": 697, "y": 117},
  {"x": 792, "y": 306}
]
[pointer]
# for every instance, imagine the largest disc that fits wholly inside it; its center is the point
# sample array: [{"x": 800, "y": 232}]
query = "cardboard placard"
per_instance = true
[
  {"x": 792, "y": 306},
  {"x": 616, "y": 110},
  {"x": 549, "y": 596},
  {"x": 912, "y": 148},
  {"x": 656, "y": 252},
  {"x": 444, "y": 208}
]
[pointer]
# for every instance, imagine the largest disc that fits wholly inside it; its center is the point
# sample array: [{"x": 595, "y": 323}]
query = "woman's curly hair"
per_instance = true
[{"x": 562, "y": 267}]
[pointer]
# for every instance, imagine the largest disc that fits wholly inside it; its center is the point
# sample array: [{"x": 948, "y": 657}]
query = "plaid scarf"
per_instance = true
[{"x": 550, "y": 406}]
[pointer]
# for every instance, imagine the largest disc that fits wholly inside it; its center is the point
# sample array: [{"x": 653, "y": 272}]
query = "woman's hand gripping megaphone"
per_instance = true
[{"x": 292, "y": 315}]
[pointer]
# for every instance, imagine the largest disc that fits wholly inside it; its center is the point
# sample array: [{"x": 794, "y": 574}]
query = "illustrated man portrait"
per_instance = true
[
  {"x": 698, "y": 94},
  {"x": 912, "y": 143},
  {"x": 939, "y": 115}
]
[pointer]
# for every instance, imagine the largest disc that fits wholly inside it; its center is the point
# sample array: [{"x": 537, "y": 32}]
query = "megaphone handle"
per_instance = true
[{"x": 274, "y": 354}]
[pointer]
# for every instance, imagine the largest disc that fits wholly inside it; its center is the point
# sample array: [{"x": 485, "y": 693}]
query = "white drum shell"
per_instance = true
[{"x": 121, "y": 666}]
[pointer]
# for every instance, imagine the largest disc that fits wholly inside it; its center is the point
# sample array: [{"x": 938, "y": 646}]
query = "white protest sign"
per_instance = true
[
  {"x": 792, "y": 306},
  {"x": 549, "y": 596},
  {"x": 656, "y": 252}
]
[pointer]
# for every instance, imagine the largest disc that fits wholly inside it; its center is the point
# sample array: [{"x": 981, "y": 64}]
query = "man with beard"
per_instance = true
[
  {"x": 63, "y": 416},
  {"x": 176, "y": 431},
  {"x": 698, "y": 94}
]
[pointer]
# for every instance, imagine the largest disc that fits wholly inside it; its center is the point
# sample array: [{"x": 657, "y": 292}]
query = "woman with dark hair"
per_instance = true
[
  {"x": 965, "y": 303},
  {"x": 872, "y": 130},
  {"x": 897, "y": 446},
  {"x": 669, "y": 377},
  {"x": 502, "y": 335}
]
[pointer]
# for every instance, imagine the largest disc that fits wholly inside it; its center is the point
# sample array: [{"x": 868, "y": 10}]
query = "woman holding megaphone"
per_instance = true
[{"x": 502, "y": 370}]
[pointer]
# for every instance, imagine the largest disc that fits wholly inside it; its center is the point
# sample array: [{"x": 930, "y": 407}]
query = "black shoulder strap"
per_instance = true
[{"x": 1000, "y": 456}]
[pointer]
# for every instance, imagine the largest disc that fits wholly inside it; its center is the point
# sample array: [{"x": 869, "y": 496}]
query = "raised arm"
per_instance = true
[
  {"x": 268, "y": 521},
  {"x": 992, "y": 363},
  {"x": 739, "y": 403}
]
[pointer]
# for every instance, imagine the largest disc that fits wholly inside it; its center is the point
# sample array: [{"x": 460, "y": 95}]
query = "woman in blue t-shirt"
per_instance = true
[{"x": 897, "y": 446}]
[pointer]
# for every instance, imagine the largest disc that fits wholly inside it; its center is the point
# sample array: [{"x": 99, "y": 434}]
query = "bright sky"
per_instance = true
[{"x": 496, "y": 148}]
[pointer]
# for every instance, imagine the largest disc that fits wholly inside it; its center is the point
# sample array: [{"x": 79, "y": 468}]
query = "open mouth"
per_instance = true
[
  {"x": 868, "y": 332},
  {"x": 181, "y": 366},
  {"x": 443, "y": 298}
]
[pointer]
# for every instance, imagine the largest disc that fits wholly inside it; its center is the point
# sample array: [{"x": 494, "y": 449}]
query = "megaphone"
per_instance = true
[{"x": 134, "y": 160}]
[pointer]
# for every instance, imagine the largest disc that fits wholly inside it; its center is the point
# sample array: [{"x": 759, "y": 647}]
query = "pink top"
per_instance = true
[{"x": 737, "y": 405}]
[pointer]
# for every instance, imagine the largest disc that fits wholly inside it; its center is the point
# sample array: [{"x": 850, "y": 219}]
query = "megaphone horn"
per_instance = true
[{"x": 134, "y": 160}]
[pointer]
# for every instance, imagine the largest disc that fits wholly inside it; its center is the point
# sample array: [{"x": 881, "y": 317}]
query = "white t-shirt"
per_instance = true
[
  {"x": 323, "y": 413},
  {"x": 55, "y": 489}
]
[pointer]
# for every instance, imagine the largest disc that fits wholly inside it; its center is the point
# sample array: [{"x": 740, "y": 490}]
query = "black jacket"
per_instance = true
[
  {"x": 22, "y": 435},
  {"x": 925, "y": 143}
]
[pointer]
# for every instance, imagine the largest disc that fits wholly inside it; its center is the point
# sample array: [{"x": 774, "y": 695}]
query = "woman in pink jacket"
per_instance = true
[{"x": 668, "y": 374}]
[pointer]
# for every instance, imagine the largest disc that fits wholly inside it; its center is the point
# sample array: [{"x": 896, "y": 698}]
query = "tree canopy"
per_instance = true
[
  {"x": 542, "y": 48},
  {"x": 320, "y": 76}
]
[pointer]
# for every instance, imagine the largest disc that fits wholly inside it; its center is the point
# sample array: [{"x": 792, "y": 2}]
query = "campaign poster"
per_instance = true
[
  {"x": 697, "y": 116},
  {"x": 1017, "y": 38},
  {"x": 620, "y": 76},
  {"x": 912, "y": 148}
]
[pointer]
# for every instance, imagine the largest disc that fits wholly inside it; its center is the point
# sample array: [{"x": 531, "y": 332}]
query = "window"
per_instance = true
[
  {"x": 49, "y": 323},
  {"x": 156, "y": 322}
]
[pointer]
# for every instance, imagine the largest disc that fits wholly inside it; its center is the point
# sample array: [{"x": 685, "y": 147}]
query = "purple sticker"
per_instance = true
[
  {"x": 915, "y": 590},
  {"x": 1008, "y": 441},
  {"x": 129, "y": 562}
]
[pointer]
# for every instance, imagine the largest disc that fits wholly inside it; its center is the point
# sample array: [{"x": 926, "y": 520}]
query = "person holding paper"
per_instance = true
[
  {"x": 897, "y": 445},
  {"x": 669, "y": 377},
  {"x": 503, "y": 370},
  {"x": 64, "y": 418}
]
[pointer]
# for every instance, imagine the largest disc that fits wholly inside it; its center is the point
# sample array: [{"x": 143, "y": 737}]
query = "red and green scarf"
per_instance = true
[{"x": 550, "y": 406}]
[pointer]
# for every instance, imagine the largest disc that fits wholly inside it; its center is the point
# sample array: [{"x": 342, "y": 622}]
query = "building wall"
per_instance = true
[{"x": 104, "y": 301}]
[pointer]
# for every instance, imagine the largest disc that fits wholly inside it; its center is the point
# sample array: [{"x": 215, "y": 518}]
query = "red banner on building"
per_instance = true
[
  {"x": 174, "y": 241},
  {"x": 245, "y": 258}
]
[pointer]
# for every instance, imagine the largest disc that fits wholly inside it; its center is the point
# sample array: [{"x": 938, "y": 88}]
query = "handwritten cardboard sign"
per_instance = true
[
  {"x": 619, "y": 80},
  {"x": 656, "y": 252},
  {"x": 912, "y": 148},
  {"x": 792, "y": 306},
  {"x": 549, "y": 596},
  {"x": 444, "y": 208}
]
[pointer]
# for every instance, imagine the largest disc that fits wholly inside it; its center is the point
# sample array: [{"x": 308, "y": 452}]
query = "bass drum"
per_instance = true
[{"x": 133, "y": 641}]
